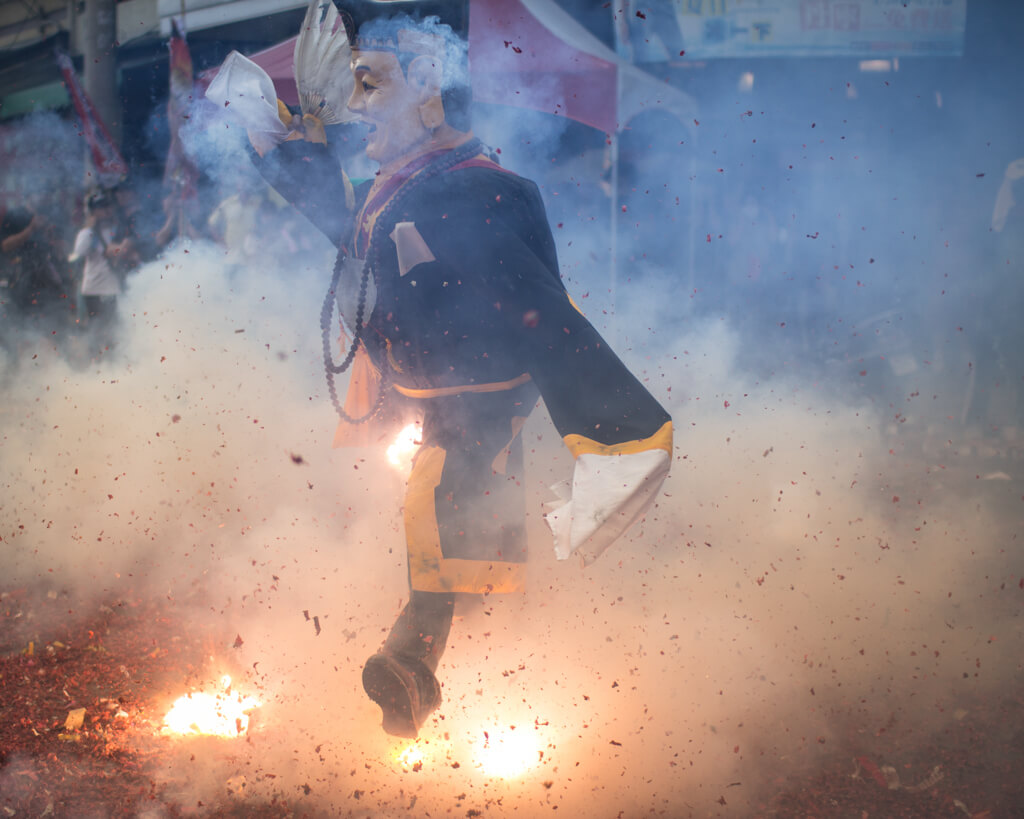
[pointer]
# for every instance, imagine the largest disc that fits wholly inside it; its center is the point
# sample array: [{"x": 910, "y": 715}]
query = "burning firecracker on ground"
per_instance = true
[{"x": 86, "y": 722}]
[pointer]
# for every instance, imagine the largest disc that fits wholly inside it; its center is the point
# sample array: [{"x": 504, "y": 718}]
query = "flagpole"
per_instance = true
[
  {"x": 613, "y": 272},
  {"x": 624, "y": 48},
  {"x": 181, "y": 196},
  {"x": 180, "y": 173},
  {"x": 613, "y": 275},
  {"x": 181, "y": 212}
]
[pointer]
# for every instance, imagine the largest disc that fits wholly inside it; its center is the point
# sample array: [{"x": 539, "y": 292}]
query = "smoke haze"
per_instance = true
[{"x": 807, "y": 280}]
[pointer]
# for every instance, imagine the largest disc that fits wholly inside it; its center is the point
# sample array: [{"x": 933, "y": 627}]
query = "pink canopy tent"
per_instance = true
[
  {"x": 532, "y": 54},
  {"x": 515, "y": 60}
]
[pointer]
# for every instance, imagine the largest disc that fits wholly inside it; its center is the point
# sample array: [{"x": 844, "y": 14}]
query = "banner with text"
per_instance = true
[{"x": 703, "y": 29}]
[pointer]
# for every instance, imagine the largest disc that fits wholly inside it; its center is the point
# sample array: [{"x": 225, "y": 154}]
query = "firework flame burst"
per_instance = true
[
  {"x": 505, "y": 753},
  {"x": 411, "y": 758},
  {"x": 400, "y": 453},
  {"x": 225, "y": 714}
]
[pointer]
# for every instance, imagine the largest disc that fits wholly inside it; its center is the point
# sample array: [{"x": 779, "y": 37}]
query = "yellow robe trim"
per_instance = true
[
  {"x": 429, "y": 570},
  {"x": 581, "y": 445},
  {"x": 440, "y": 392}
]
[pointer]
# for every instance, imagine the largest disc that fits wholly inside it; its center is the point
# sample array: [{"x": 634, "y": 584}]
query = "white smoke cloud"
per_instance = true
[{"x": 831, "y": 564}]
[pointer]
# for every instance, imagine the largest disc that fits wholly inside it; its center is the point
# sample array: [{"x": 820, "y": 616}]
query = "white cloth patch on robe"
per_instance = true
[
  {"x": 609, "y": 493},
  {"x": 412, "y": 249}
]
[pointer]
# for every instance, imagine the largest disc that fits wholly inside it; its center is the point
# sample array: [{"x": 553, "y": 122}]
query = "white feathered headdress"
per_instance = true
[{"x": 322, "y": 72}]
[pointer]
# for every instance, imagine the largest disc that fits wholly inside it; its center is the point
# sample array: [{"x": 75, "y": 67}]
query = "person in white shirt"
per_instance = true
[{"x": 103, "y": 255}]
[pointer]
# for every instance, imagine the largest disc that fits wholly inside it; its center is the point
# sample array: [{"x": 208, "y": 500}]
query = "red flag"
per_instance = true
[
  {"x": 180, "y": 172},
  {"x": 110, "y": 167}
]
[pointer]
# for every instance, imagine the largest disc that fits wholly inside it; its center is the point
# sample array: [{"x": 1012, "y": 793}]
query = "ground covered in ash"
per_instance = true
[{"x": 127, "y": 659}]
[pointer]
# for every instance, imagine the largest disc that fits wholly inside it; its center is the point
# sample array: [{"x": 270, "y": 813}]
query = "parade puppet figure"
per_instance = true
[{"x": 448, "y": 282}]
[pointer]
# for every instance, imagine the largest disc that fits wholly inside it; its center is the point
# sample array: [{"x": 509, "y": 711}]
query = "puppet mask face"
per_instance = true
[{"x": 387, "y": 103}]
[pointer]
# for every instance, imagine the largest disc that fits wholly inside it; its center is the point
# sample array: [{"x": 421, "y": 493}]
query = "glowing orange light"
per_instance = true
[
  {"x": 225, "y": 714},
  {"x": 406, "y": 443},
  {"x": 506, "y": 753},
  {"x": 411, "y": 758}
]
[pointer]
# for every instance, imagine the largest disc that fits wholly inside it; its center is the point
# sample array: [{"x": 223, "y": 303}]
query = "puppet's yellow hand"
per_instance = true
[
  {"x": 313, "y": 129},
  {"x": 264, "y": 142}
]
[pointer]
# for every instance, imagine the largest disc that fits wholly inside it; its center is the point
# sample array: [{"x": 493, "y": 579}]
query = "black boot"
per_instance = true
[
  {"x": 400, "y": 678},
  {"x": 406, "y": 691}
]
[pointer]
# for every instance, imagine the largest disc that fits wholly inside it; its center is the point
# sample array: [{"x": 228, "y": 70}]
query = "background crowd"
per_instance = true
[{"x": 64, "y": 260}]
